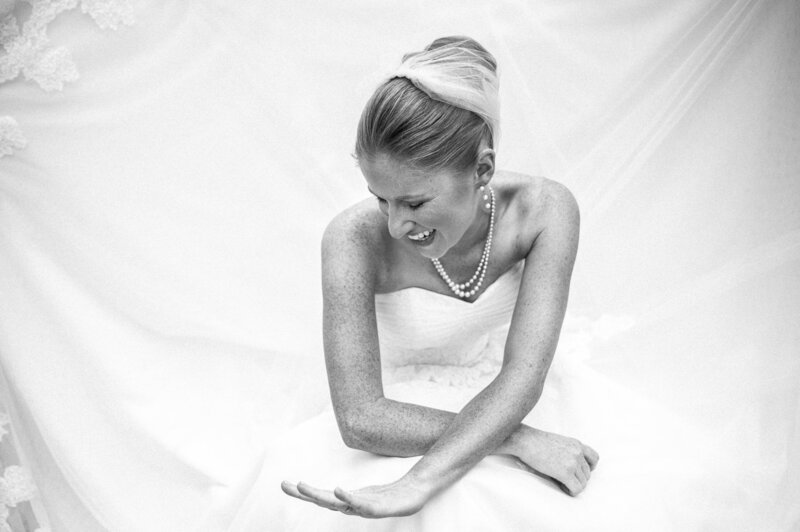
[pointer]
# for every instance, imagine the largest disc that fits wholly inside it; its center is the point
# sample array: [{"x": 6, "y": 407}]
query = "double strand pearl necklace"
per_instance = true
[{"x": 463, "y": 290}]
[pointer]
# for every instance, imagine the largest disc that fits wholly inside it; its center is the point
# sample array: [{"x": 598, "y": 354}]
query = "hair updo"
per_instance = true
[{"x": 435, "y": 110}]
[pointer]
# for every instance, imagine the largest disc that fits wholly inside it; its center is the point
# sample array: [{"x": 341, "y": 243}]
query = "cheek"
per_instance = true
[{"x": 450, "y": 223}]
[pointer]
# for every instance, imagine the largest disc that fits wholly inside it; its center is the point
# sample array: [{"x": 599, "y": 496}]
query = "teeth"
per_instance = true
[{"x": 420, "y": 236}]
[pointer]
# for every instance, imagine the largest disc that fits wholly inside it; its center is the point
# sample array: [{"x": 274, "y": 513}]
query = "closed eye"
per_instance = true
[
  {"x": 383, "y": 206},
  {"x": 413, "y": 206}
]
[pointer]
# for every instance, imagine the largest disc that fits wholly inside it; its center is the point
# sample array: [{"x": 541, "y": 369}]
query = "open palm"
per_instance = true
[{"x": 388, "y": 500}]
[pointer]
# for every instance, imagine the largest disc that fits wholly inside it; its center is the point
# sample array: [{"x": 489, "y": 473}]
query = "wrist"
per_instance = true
[
  {"x": 424, "y": 482},
  {"x": 513, "y": 445},
  {"x": 523, "y": 442}
]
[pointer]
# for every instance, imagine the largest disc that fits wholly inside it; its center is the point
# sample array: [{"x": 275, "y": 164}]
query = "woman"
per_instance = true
[
  {"x": 428, "y": 157},
  {"x": 452, "y": 291}
]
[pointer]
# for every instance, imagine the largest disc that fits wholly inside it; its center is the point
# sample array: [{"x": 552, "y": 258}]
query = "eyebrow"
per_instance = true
[{"x": 401, "y": 198}]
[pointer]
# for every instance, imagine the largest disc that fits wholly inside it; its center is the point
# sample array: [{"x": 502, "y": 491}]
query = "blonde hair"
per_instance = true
[{"x": 435, "y": 110}]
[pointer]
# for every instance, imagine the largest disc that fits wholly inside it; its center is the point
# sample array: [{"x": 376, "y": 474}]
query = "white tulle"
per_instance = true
[
  {"x": 28, "y": 51},
  {"x": 440, "y": 352},
  {"x": 159, "y": 232},
  {"x": 458, "y": 76}
]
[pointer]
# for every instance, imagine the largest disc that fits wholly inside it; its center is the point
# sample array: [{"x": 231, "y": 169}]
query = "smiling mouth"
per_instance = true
[{"x": 423, "y": 236}]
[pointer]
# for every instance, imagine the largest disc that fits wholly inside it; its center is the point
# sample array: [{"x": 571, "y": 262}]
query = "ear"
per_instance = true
[{"x": 484, "y": 170}]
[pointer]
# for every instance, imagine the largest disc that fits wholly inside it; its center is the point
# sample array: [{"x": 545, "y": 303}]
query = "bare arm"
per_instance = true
[
  {"x": 451, "y": 443},
  {"x": 489, "y": 419},
  {"x": 367, "y": 419}
]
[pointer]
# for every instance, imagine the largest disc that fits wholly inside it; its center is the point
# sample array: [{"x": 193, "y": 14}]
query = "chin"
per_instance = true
[
  {"x": 430, "y": 254},
  {"x": 436, "y": 250}
]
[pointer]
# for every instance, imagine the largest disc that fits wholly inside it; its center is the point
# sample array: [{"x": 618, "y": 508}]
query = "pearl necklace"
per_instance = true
[{"x": 462, "y": 289}]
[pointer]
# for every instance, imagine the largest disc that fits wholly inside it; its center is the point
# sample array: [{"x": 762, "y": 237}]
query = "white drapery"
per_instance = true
[{"x": 159, "y": 320}]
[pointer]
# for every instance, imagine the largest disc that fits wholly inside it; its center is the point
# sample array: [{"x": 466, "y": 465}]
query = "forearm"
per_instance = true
[
  {"x": 394, "y": 428},
  {"x": 486, "y": 425}
]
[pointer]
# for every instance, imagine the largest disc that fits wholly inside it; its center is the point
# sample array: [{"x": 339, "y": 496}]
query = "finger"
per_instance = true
[
  {"x": 290, "y": 488},
  {"x": 572, "y": 486},
  {"x": 321, "y": 497},
  {"x": 587, "y": 471},
  {"x": 580, "y": 474},
  {"x": 591, "y": 456},
  {"x": 352, "y": 501},
  {"x": 344, "y": 495},
  {"x": 581, "y": 483}
]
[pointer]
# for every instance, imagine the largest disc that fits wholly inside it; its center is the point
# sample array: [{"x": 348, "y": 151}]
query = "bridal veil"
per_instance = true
[{"x": 168, "y": 167}]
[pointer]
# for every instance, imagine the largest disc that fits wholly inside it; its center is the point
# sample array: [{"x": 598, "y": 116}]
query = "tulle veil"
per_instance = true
[{"x": 169, "y": 167}]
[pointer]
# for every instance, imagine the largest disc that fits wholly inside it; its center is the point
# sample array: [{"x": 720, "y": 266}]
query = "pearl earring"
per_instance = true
[{"x": 486, "y": 206}]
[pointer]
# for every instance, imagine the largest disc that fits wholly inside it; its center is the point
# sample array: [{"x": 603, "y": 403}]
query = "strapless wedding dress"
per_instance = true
[{"x": 440, "y": 351}]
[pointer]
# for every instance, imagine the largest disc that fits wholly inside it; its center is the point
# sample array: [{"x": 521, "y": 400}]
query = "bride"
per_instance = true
[
  {"x": 426, "y": 148},
  {"x": 443, "y": 306}
]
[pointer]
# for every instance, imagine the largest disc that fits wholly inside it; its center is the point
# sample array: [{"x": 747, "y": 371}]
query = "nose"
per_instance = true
[{"x": 399, "y": 221}]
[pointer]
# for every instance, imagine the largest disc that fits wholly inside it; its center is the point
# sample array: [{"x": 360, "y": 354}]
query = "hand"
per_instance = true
[
  {"x": 399, "y": 498},
  {"x": 565, "y": 460}
]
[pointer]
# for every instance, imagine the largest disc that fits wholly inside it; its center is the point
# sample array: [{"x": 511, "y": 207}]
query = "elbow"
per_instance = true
[
  {"x": 534, "y": 394},
  {"x": 534, "y": 389},
  {"x": 528, "y": 396},
  {"x": 350, "y": 434},
  {"x": 353, "y": 425}
]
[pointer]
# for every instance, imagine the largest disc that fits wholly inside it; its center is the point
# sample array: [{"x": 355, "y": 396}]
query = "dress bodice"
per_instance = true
[{"x": 429, "y": 336}]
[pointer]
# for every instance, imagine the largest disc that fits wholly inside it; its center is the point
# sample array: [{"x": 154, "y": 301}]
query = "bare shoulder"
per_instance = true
[
  {"x": 359, "y": 225},
  {"x": 537, "y": 196},
  {"x": 351, "y": 246},
  {"x": 538, "y": 204}
]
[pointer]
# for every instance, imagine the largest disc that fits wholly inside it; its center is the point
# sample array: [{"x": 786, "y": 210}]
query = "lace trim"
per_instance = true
[
  {"x": 579, "y": 336},
  {"x": 11, "y": 136},
  {"x": 17, "y": 489},
  {"x": 28, "y": 51},
  {"x": 484, "y": 365}
]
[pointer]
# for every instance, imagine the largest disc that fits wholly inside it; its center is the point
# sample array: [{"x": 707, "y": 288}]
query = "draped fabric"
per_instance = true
[
  {"x": 161, "y": 211},
  {"x": 440, "y": 351}
]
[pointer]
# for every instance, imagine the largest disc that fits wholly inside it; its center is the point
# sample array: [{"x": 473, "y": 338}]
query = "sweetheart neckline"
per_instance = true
[{"x": 516, "y": 266}]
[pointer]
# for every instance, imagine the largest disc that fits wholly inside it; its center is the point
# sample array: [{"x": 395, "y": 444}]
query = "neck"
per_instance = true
[
  {"x": 470, "y": 287},
  {"x": 475, "y": 237}
]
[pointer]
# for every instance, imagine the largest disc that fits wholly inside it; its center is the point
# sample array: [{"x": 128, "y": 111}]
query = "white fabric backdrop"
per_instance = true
[{"x": 159, "y": 320}]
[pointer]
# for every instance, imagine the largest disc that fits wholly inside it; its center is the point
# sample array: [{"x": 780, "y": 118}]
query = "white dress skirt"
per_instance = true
[{"x": 439, "y": 351}]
